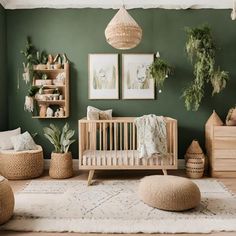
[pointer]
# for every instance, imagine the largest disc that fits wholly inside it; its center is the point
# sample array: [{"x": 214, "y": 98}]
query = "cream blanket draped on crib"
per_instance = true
[{"x": 151, "y": 136}]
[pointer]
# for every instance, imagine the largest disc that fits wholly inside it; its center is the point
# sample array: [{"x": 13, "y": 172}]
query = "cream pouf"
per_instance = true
[
  {"x": 169, "y": 193},
  {"x": 6, "y": 201}
]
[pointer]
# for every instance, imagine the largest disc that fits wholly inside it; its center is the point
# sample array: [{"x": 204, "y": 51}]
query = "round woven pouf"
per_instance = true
[
  {"x": 170, "y": 193},
  {"x": 21, "y": 165},
  {"x": 6, "y": 201}
]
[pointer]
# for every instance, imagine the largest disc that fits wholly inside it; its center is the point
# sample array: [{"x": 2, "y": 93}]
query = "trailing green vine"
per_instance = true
[
  {"x": 159, "y": 71},
  {"x": 200, "y": 48}
]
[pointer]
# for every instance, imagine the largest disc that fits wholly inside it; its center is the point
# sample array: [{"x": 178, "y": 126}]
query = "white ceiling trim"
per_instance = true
[
  {"x": 3, "y": 3},
  {"x": 115, "y": 4}
]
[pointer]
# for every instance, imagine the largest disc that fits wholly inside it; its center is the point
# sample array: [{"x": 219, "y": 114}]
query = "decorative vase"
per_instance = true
[
  {"x": 195, "y": 160},
  {"x": 231, "y": 117},
  {"x": 195, "y": 168},
  {"x": 61, "y": 166}
]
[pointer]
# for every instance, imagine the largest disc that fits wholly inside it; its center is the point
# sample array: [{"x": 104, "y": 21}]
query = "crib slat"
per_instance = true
[
  {"x": 111, "y": 137},
  {"x": 121, "y": 136}
]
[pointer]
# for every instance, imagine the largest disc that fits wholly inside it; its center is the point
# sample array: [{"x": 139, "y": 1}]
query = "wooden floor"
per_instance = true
[{"x": 17, "y": 185}]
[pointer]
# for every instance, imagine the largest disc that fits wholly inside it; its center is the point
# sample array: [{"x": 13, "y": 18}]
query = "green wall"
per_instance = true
[
  {"x": 80, "y": 32},
  {"x": 3, "y": 78}
]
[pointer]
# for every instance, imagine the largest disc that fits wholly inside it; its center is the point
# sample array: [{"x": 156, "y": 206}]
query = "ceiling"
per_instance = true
[{"x": 129, "y": 4}]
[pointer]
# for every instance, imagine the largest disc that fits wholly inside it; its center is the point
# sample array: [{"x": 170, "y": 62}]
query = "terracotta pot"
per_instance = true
[{"x": 61, "y": 166}]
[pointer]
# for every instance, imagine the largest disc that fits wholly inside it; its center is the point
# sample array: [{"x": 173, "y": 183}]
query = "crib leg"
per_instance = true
[
  {"x": 164, "y": 171},
  {"x": 90, "y": 177}
]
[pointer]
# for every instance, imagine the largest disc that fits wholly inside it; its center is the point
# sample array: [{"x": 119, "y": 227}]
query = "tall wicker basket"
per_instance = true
[
  {"x": 6, "y": 201},
  {"x": 194, "y": 161},
  {"x": 21, "y": 165},
  {"x": 61, "y": 166}
]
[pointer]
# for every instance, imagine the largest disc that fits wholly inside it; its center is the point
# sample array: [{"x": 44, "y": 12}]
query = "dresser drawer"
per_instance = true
[
  {"x": 224, "y": 143},
  {"x": 224, "y": 164},
  {"x": 224, "y": 131},
  {"x": 224, "y": 154}
]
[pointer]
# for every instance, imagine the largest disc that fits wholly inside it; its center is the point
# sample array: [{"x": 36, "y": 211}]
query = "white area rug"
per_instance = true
[{"x": 114, "y": 207}]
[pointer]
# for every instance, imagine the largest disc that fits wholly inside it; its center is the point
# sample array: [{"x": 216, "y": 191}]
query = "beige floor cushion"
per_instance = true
[{"x": 169, "y": 193}]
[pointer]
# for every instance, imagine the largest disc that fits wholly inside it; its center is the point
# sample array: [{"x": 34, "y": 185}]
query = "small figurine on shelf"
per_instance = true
[
  {"x": 61, "y": 112},
  {"x": 43, "y": 110},
  {"x": 57, "y": 62},
  {"x": 60, "y": 79},
  {"x": 64, "y": 59},
  {"x": 50, "y": 61},
  {"x": 57, "y": 113},
  {"x": 49, "y": 112}
]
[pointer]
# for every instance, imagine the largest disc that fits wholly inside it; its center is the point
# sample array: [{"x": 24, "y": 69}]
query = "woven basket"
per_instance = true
[
  {"x": 195, "y": 168},
  {"x": 123, "y": 32},
  {"x": 194, "y": 151},
  {"x": 21, "y": 165},
  {"x": 6, "y": 201},
  {"x": 61, "y": 166}
]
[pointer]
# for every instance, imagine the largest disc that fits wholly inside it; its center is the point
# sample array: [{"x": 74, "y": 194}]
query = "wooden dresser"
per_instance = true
[{"x": 220, "y": 147}]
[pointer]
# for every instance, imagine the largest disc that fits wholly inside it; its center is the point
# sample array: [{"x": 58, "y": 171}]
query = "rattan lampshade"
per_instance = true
[{"x": 123, "y": 32}]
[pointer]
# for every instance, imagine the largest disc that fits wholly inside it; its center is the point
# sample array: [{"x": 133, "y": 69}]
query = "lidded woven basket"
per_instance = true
[
  {"x": 123, "y": 32},
  {"x": 195, "y": 160}
]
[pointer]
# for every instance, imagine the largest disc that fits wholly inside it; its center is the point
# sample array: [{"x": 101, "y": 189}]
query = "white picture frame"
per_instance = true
[
  {"x": 103, "y": 81},
  {"x": 136, "y": 83}
]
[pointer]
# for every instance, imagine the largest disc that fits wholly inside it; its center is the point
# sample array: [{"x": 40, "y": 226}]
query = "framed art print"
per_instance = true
[
  {"x": 103, "y": 76},
  {"x": 136, "y": 83}
]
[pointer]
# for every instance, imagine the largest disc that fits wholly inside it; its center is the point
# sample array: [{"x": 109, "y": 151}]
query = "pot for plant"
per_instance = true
[
  {"x": 61, "y": 166},
  {"x": 39, "y": 82}
]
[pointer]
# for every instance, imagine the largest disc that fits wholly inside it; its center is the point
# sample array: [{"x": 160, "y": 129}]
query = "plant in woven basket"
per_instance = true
[
  {"x": 61, "y": 165},
  {"x": 61, "y": 139},
  {"x": 159, "y": 70},
  {"x": 201, "y": 49}
]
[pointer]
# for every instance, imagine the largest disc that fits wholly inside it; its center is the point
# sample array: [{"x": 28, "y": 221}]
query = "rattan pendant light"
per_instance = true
[{"x": 123, "y": 32}]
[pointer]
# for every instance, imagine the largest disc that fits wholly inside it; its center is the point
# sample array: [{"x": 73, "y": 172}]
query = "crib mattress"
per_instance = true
[{"x": 119, "y": 157}]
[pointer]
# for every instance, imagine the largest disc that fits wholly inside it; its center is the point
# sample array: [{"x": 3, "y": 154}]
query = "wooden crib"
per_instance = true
[{"x": 112, "y": 144}]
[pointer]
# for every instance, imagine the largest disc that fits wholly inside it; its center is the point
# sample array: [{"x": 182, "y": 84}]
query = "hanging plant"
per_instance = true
[
  {"x": 29, "y": 99},
  {"x": 200, "y": 48},
  {"x": 159, "y": 70}
]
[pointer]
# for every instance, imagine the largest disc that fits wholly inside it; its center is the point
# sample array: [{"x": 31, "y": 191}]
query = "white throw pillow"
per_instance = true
[
  {"x": 5, "y": 138},
  {"x": 94, "y": 113},
  {"x": 23, "y": 142}
]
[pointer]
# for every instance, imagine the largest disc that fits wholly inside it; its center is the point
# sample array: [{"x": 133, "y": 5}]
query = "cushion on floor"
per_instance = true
[{"x": 169, "y": 193}]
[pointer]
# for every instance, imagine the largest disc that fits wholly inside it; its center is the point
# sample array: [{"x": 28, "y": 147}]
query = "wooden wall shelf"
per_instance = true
[{"x": 63, "y": 89}]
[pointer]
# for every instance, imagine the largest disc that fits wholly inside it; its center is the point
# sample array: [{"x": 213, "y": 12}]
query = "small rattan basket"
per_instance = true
[
  {"x": 21, "y": 165},
  {"x": 195, "y": 161},
  {"x": 6, "y": 201},
  {"x": 61, "y": 166},
  {"x": 195, "y": 168}
]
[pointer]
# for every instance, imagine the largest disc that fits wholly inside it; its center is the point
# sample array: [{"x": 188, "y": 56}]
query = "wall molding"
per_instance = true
[
  {"x": 3, "y": 3},
  {"x": 115, "y": 4},
  {"x": 181, "y": 164}
]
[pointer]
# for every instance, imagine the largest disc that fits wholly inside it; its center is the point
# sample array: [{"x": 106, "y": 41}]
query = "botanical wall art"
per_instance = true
[
  {"x": 103, "y": 76},
  {"x": 136, "y": 82},
  {"x": 201, "y": 50}
]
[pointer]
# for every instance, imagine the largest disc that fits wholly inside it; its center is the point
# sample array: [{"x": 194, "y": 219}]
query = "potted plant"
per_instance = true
[
  {"x": 61, "y": 159},
  {"x": 159, "y": 70},
  {"x": 42, "y": 79}
]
